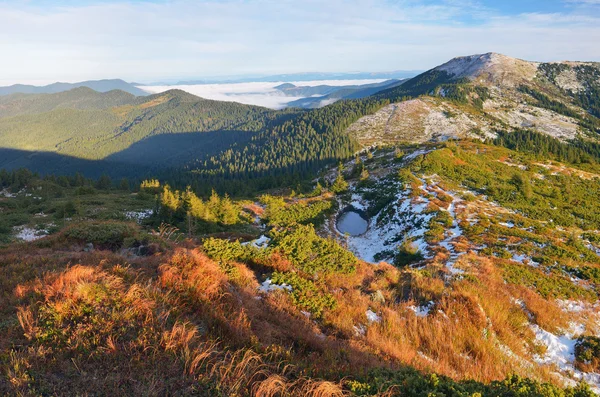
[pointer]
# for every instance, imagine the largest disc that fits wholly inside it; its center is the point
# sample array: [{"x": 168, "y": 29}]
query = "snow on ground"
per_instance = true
[
  {"x": 260, "y": 242},
  {"x": 372, "y": 316},
  {"x": 268, "y": 286},
  {"x": 572, "y": 305},
  {"x": 422, "y": 311},
  {"x": 7, "y": 194},
  {"x": 138, "y": 216},
  {"x": 26, "y": 233},
  {"x": 593, "y": 248},
  {"x": 358, "y": 202},
  {"x": 524, "y": 259},
  {"x": 360, "y": 330},
  {"x": 408, "y": 221},
  {"x": 561, "y": 353},
  {"x": 452, "y": 234}
]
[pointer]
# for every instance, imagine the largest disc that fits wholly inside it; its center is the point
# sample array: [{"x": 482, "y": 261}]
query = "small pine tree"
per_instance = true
[
  {"x": 104, "y": 183},
  {"x": 339, "y": 185},
  {"x": 364, "y": 175},
  {"x": 318, "y": 190},
  {"x": 124, "y": 184},
  {"x": 398, "y": 153}
]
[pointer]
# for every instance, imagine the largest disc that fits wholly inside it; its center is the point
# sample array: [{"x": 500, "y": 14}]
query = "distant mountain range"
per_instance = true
[
  {"x": 469, "y": 97},
  {"x": 312, "y": 76},
  {"x": 324, "y": 95},
  {"x": 96, "y": 85}
]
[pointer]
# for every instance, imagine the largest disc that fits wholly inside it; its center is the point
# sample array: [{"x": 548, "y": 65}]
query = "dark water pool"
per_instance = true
[{"x": 352, "y": 222}]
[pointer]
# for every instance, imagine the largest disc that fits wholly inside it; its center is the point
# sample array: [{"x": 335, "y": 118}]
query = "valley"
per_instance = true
[{"x": 437, "y": 237}]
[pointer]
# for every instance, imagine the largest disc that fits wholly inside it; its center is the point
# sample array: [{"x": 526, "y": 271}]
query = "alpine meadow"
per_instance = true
[{"x": 242, "y": 213}]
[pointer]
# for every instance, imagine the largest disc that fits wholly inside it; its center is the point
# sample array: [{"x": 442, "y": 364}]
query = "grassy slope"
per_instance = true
[{"x": 193, "y": 310}]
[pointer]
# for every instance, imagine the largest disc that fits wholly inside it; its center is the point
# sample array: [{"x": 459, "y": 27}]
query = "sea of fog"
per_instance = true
[{"x": 261, "y": 94}]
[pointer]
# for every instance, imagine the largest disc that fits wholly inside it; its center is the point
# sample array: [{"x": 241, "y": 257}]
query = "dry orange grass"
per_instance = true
[
  {"x": 204, "y": 323},
  {"x": 119, "y": 324}
]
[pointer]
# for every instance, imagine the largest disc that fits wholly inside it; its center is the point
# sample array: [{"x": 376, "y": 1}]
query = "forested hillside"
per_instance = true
[{"x": 242, "y": 149}]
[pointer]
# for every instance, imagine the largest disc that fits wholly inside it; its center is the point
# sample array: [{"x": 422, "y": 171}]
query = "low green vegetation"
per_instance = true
[
  {"x": 564, "y": 199},
  {"x": 107, "y": 235},
  {"x": 587, "y": 352},
  {"x": 305, "y": 293},
  {"x": 311, "y": 253},
  {"x": 44, "y": 205},
  {"x": 415, "y": 384},
  {"x": 281, "y": 214},
  {"x": 551, "y": 285}
]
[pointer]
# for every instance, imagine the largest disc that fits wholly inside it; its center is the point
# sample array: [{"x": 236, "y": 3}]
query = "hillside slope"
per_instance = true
[
  {"x": 85, "y": 124},
  {"x": 78, "y": 98},
  {"x": 478, "y": 274},
  {"x": 96, "y": 85},
  {"x": 475, "y": 96},
  {"x": 252, "y": 148}
]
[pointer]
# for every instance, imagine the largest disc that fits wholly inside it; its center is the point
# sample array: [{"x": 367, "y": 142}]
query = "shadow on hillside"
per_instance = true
[
  {"x": 52, "y": 163},
  {"x": 143, "y": 158},
  {"x": 168, "y": 150}
]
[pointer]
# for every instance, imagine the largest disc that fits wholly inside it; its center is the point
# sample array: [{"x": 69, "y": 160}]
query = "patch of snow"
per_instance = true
[
  {"x": 593, "y": 248},
  {"x": 372, "y": 316},
  {"x": 524, "y": 259},
  {"x": 422, "y": 311},
  {"x": 26, "y": 233},
  {"x": 561, "y": 352},
  {"x": 509, "y": 225},
  {"x": 572, "y": 305},
  {"x": 7, "y": 194},
  {"x": 138, "y": 216},
  {"x": 357, "y": 202},
  {"x": 268, "y": 286},
  {"x": 560, "y": 349},
  {"x": 359, "y": 330},
  {"x": 261, "y": 242}
]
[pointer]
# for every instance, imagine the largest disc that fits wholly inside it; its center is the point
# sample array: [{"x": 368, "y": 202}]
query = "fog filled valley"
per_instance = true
[{"x": 426, "y": 235}]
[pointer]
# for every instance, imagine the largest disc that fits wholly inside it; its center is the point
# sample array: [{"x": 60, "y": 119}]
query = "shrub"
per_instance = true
[
  {"x": 407, "y": 254},
  {"x": 224, "y": 251},
  {"x": 107, "y": 235},
  {"x": 280, "y": 214},
  {"x": 548, "y": 286},
  {"x": 305, "y": 294},
  {"x": 587, "y": 353},
  {"x": 313, "y": 254}
]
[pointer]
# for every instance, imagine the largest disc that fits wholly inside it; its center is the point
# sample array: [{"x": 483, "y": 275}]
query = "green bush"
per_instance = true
[
  {"x": 305, "y": 294},
  {"x": 587, "y": 352},
  {"x": 281, "y": 214},
  {"x": 224, "y": 251},
  {"x": 549, "y": 286},
  {"x": 408, "y": 382},
  {"x": 107, "y": 235},
  {"x": 313, "y": 254}
]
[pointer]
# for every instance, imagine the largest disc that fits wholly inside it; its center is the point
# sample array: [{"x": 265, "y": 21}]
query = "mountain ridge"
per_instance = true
[{"x": 104, "y": 85}]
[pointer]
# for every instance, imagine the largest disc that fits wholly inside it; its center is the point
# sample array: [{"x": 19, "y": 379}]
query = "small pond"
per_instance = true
[{"x": 352, "y": 222}]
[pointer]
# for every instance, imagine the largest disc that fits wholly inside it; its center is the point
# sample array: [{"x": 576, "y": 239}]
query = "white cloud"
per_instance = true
[
  {"x": 190, "y": 39},
  {"x": 260, "y": 94}
]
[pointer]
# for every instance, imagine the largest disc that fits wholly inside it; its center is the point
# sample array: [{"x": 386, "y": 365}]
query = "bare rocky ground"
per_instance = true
[{"x": 435, "y": 118}]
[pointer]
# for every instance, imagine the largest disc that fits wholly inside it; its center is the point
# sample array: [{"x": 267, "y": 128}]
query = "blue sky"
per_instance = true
[{"x": 45, "y": 41}]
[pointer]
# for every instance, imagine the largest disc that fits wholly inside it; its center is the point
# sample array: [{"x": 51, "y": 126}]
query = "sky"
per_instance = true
[{"x": 43, "y": 41}]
